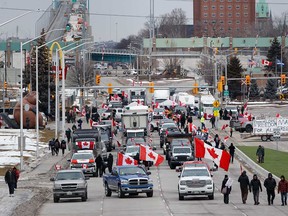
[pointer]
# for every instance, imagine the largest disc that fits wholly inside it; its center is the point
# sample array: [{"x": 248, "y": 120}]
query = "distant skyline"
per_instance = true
[{"x": 130, "y": 16}]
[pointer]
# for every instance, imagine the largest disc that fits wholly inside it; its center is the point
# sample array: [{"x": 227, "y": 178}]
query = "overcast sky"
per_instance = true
[{"x": 104, "y": 26}]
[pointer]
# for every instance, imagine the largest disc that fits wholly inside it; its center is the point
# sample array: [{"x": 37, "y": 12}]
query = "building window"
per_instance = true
[
  {"x": 229, "y": 7},
  {"x": 245, "y": 14},
  {"x": 246, "y": 21},
  {"x": 221, "y": 22},
  {"x": 238, "y": 22},
  {"x": 229, "y": 14},
  {"x": 205, "y": 15},
  {"x": 245, "y": 7},
  {"x": 205, "y": 7},
  {"x": 205, "y": 21},
  {"x": 230, "y": 22},
  {"x": 237, "y": 14},
  {"x": 238, "y": 7},
  {"x": 213, "y": 15},
  {"x": 213, "y": 7},
  {"x": 221, "y": 7},
  {"x": 229, "y": 0},
  {"x": 221, "y": 14}
]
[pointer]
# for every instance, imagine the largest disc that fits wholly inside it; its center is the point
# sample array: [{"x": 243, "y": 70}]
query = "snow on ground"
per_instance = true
[{"x": 9, "y": 152}]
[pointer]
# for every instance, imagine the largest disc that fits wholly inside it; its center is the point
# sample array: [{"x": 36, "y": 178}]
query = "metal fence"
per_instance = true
[{"x": 47, "y": 17}]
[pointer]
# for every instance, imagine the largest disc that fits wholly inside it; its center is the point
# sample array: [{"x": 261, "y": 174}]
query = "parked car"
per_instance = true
[{"x": 69, "y": 184}]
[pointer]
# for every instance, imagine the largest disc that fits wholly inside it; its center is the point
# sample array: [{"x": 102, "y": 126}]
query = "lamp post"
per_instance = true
[
  {"x": 21, "y": 92},
  {"x": 37, "y": 94}
]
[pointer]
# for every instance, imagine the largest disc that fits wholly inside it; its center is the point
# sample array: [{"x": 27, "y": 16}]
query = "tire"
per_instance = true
[
  {"x": 94, "y": 174},
  {"x": 108, "y": 192},
  {"x": 181, "y": 197},
  {"x": 152, "y": 128},
  {"x": 84, "y": 198},
  {"x": 264, "y": 138},
  {"x": 56, "y": 199},
  {"x": 120, "y": 193},
  {"x": 172, "y": 166},
  {"x": 211, "y": 197},
  {"x": 249, "y": 128},
  {"x": 149, "y": 194}
]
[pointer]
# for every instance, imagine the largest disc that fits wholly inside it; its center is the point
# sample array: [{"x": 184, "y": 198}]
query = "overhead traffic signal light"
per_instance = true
[
  {"x": 110, "y": 90},
  {"x": 215, "y": 50},
  {"x": 151, "y": 89},
  {"x": 283, "y": 79},
  {"x": 223, "y": 80},
  {"x": 248, "y": 80},
  {"x": 195, "y": 89},
  {"x": 98, "y": 79},
  {"x": 235, "y": 51},
  {"x": 5, "y": 85},
  {"x": 220, "y": 86}
]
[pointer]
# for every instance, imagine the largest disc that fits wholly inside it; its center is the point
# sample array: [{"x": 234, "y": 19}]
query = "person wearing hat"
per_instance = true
[
  {"x": 256, "y": 187},
  {"x": 244, "y": 186},
  {"x": 283, "y": 189},
  {"x": 270, "y": 185},
  {"x": 226, "y": 188}
]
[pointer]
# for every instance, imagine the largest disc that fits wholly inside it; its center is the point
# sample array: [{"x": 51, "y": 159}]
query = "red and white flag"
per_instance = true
[
  {"x": 123, "y": 159},
  {"x": 86, "y": 145},
  {"x": 157, "y": 105},
  {"x": 226, "y": 138},
  {"x": 118, "y": 143},
  {"x": 104, "y": 106},
  {"x": 278, "y": 115},
  {"x": 224, "y": 127},
  {"x": 266, "y": 62},
  {"x": 147, "y": 154},
  {"x": 83, "y": 113},
  {"x": 245, "y": 105},
  {"x": 220, "y": 157}
]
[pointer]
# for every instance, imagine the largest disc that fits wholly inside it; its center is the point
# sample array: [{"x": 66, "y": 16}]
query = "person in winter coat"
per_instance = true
[
  {"x": 226, "y": 189},
  {"x": 212, "y": 120},
  {"x": 283, "y": 189},
  {"x": 217, "y": 141},
  {"x": 260, "y": 154},
  {"x": 110, "y": 162},
  {"x": 231, "y": 152},
  {"x": 10, "y": 179},
  {"x": 80, "y": 123},
  {"x": 270, "y": 185},
  {"x": 244, "y": 186},
  {"x": 183, "y": 121},
  {"x": 57, "y": 146},
  {"x": 52, "y": 146},
  {"x": 99, "y": 163},
  {"x": 63, "y": 147},
  {"x": 256, "y": 188},
  {"x": 202, "y": 120},
  {"x": 17, "y": 173},
  {"x": 68, "y": 134}
]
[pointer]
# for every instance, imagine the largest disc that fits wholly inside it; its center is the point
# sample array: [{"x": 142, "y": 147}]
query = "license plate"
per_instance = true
[
  {"x": 139, "y": 190},
  {"x": 69, "y": 193},
  {"x": 196, "y": 192}
]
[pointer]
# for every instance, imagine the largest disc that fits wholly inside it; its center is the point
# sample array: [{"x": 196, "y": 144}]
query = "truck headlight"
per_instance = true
[
  {"x": 81, "y": 185},
  {"x": 208, "y": 182},
  {"x": 57, "y": 186},
  {"x": 182, "y": 182},
  {"x": 150, "y": 181},
  {"x": 124, "y": 181}
]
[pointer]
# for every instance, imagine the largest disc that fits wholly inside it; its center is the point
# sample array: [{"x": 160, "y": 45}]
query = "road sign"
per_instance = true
[
  {"x": 226, "y": 93},
  {"x": 226, "y": 87},
  {"x": 216, "y": 103},
  {"x": 282, "y": 97},
  {"x": 276, "y": 133}
]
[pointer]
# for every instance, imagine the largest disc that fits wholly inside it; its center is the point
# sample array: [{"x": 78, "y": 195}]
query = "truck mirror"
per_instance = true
[
  {"x": 52, "y": 179},
  {"x": 69, "y": 160},
  {"x": 179, "y": 175}
]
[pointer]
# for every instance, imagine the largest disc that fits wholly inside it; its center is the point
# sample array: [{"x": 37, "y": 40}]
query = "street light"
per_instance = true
[
  {"x": 21, "y": 92},
  {"x": 8, "y": 21}
]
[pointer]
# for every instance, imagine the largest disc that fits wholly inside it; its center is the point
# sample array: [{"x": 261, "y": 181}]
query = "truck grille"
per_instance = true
[
  {"x": 195, "y": 183},
  {"x": 182, "y": 158},
  {"x": 69, "y": 187},
  {"x": 138, "y": 181}
]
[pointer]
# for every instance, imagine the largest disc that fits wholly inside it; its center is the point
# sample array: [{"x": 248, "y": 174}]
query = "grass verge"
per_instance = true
[{"x": 274, "y": 161}]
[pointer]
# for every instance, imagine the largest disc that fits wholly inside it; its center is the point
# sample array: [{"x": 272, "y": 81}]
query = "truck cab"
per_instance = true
[{"x": 179, "y": 155}]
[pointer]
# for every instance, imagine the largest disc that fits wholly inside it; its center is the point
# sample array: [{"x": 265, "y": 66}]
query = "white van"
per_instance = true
[{"x": 206, "y": 106}]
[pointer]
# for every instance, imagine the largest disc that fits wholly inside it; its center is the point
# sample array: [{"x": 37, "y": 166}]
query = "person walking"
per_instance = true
[
  {"x": 57, "y": 146},
  {"x": 63, "y": 147},
  {"x": 87, "y": 115},
  {"x": 270, "y": 185},
  {"x": 52, "y": 146},
  {"x": 231, "y": 152},
  {"x": 231, "y": 131},
  {"x": 80, "y": 123},
  {"x": 17, "y": 173},
  {"x": 110, "y": 162},
  {"x": 99, "y": 163},
  {"x": 217, "y": 141},
  {"x": 202, "y": 120},
  {"x": 226, "y": 188},
  {"x": 183, "y": 121},
  {"x": 221, "y": 113},
  {"x": 10, "y": 179},
  {"x": 244, "y": 186},
  {"x": 260, "y": 154},
  {"x": 283, "y": 190},
  {"x": 256, "y": 188},
  {"x": 68, "y": 134}
]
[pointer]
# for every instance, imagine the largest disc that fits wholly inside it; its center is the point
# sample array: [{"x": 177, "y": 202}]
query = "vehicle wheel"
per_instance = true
[
  {"x": 84, "y": 198},
  {"x": 94, "y": 174},
  {"x": 149, "y": 194},
  {"x": 56, "y": 199},
  {"x": 264, "y": 138},
  {"x": 108, "y": 192},
  {"x": 249, "y": 128},
  {"x": 181, "y": 197},
  {"x": 152, "y": 128},
  {"x": 172, "y": 166},
  {"x": 120, "y": 193},
  {"x": 211, "y": 197}
]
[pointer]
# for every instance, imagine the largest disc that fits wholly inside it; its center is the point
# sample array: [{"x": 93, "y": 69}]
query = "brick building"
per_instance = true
[{"x": 224, "y": 18}]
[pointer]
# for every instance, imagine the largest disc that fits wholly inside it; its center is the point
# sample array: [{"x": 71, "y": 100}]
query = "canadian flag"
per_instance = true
[
  {"x": 157, "y": 105},
  {"x": 104, "y": 106},
  {"x": 123, "y": 159},
  {"x": 278, "y": 115},
  {"x": 86, "y": 145},
  {"x": 191, "y": 128},
  {"x": 226, "y": 138},
  {"x": 147, "y": 154},
  {"x": 224, "y": 127},
  {"x": 83, "y": 113},
  {"x": 118, "y": 143},
  {"x": 266, "y": 63},
  {"x": 220, "y": 157}
]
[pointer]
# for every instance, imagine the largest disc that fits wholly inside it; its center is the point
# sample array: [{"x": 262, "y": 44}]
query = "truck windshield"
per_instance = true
[
  {"x": 82, "y": 156},
  {"x": 133, "y": 141},
  {"x": 131, "y": 171},
  {"x": 160, "y": 100},
  {"x": 181, "y": 150},
  {"x": 135, "y": 134},
  {"x": 132, "y": 149},
  {"x": 180, "y": 142},
  {"x": 69, "y": 176},
  {"x": 195, "y": 172},
  {"x": 158, "y": 117}
]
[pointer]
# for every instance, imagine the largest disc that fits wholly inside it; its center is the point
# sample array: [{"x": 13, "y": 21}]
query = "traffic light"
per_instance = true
[
  {"x": 235, "y": 51},
  {"x": 29, "y": 87},
  {"x": 215, "y": 50},
  {"x": 5, "y": 85},
  {"x": 195, "y": 89},
  {"x": 98, "y": 79},
  {"x": 110, "y": 90},
  {"x": 220, "y": 86},
  {"x": 223, "y": 80},
  {"x": 283, "y": 79},
  {"x": 248, "y": 80},
  {"x": 151, "y": 89}
]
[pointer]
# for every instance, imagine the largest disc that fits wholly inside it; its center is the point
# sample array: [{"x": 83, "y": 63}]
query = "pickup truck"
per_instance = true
[
  {"x": 179, "y": 155},
  {"x": 130, "y": 180}
]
